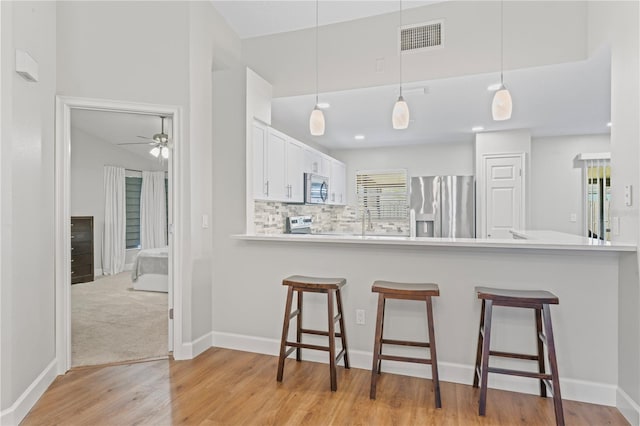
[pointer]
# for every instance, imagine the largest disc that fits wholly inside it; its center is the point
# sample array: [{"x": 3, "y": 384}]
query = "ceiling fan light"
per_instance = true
[
  {"x": 400, "y": 115},
  {"x": 502, "y": 106},
  {"x": 316, "y": 122},
  {"x": 165, "y": 152},
  {"x": 155, "y": 151}
]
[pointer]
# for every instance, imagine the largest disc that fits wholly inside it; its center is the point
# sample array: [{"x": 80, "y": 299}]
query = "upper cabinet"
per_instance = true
[
  {"x": 337, "y": 183},
  {"x": 279, "y": 165}
]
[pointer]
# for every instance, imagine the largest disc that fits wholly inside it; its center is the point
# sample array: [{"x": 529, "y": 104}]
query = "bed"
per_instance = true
[{"x": 151, "y": 270}]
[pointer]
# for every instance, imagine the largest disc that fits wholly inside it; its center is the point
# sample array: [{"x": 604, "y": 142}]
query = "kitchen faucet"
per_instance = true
[{"x": 366, "y": 215}]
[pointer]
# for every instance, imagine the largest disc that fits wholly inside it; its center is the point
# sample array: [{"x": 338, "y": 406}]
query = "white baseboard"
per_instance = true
[
  {"x": 18, "y": 411},
  {"x": 628, "y": 407},
  {"x": 575, "y": 390},
  {"x": 195, "y": 348},
  {"x": 97, "y": 272}
]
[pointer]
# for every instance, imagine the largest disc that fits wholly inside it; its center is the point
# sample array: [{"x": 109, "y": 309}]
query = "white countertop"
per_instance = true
[{"x": 547, "y": 240}]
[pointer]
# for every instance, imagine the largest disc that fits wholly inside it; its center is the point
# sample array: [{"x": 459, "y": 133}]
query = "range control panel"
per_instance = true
[{"x": 299, "y": 225}]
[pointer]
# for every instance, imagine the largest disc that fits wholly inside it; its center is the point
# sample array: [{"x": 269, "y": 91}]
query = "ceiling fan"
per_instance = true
[{"x": 160, "y": 142}]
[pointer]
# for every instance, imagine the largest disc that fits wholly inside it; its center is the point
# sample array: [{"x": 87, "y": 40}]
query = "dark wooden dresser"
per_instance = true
[{"x": 81, "y": 249}]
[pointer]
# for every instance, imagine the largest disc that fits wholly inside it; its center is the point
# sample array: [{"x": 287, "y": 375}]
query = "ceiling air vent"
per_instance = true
[{"x": 421, "y": 36}]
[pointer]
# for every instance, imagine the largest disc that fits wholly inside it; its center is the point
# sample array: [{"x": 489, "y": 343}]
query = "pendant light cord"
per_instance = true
[
  {"x": 400, "y": 48},
  {"x": 317, "y": 1},
  {"x": 501, "y": 42}
]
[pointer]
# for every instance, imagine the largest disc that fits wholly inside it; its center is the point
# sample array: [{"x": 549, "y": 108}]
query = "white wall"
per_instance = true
[
  {"x": 616, "y": 23},
  {"x": 89, "y": 155},
  {"x": 154, "y": 55},
  {"x": 418, "y": 160},
  {"x": 26, "y": 251},
  {"x": 536, "y": 33},
  {"x": 556, "y": 178}
]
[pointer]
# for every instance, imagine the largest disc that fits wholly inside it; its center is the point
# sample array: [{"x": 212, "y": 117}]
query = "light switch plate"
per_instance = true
[
  {"x": 627, "y": 195},
  {"x": 205, "y": 221}
]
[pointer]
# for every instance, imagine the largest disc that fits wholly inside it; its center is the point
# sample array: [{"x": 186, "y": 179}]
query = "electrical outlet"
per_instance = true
[
  {"x": 573, "y": 217},
  {"x": 360, "y": 316}
]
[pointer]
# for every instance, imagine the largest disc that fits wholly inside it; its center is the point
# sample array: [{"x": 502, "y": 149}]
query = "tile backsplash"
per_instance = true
[{"x": 270, "y": 218}]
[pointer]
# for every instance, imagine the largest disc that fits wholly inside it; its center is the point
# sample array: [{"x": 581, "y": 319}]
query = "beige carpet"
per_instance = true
[{"x": 110, "y": 322}]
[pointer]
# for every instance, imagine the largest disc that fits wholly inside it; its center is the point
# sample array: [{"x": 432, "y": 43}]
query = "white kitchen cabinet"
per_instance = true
[
  {"x": 278, "y": 166},
  {"x": 277, "y": 188},
  {"x": 259, "y": 140},
  {"x": 295, "y": 165},
  {"x": 337, "y": 183},
  {"x": 312, "y": 159}
]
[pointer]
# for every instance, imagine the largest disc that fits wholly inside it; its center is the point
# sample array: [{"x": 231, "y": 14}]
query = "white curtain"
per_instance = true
[
  {"x": 153, "y": 215},
  {"x": 114, "y": 235}
]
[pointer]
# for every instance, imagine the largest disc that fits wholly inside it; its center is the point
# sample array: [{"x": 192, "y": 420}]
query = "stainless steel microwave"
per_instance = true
[{"x": 316, "y": 189}]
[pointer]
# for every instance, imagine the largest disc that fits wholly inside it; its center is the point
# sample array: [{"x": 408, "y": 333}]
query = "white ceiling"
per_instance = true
[
  {"x": 564, "y": 99},
  {"x": 121, "y": 129},
  {"x": 259, "y": 18}
]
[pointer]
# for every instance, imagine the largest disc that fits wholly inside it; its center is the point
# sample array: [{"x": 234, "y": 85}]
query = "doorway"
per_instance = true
[{"x": 65, "y": 108}]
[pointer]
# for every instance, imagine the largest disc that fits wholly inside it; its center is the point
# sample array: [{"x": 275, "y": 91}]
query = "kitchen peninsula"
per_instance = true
[{"x": 592, "y": 282}]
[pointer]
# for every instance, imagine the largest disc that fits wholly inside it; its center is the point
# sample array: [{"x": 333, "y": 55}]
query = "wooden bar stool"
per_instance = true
[
  {"x": 531, "y": 299},
  {"x": 329, "y": 286},
  {"x": 392, "y": 290}
]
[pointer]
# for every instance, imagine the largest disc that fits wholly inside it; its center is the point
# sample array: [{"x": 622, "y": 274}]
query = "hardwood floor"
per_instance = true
[{"x": 239, "y": 388}]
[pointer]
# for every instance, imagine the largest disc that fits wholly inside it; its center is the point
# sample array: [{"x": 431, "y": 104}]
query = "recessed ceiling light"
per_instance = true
[
  {"x": 494, "y": 87},
  {"x": 477, "y": 129},
  {"x": 324, "y": 105},
  {"x": 358, "y": 137},
  {"x": 609, "y": 124}
]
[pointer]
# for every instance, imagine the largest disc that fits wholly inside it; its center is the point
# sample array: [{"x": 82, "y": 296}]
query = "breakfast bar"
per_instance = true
[{"x": 590, "y": 280}]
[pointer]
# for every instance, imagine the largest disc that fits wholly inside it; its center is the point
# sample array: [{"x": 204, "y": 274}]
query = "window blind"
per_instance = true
[
  {"x": 383, "y": 193},
  {"x": 133, "y": 187},
  {"x": 597, "y": 190}
]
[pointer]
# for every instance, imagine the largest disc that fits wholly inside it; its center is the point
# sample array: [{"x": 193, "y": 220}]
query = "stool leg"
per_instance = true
[
  {"x": 285, "y": 333},
  {"x": 434, "y": 357},
  {"x": 343, "y": 330},
  {"x": 555, "y": 379},
  {"x": 332, "y": 341},
  {"x": 476, "y": 371},
  {"x": 299, "y": 327},
  {"x": 384, "y": 306},
  {"x": 541, "y": 368},
  {"x": 486, "y": 344},
  {"x": 377, "y": 346}
]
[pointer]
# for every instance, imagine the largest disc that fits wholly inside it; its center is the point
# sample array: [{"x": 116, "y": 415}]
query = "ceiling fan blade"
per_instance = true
[
  {"x": 136, "y": 143},
  {"x": 144, "y": 137}
]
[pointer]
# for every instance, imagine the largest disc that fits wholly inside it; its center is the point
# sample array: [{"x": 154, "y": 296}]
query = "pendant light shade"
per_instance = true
[
  {"x": 165, "y": 152},
  {"x": 155, "y": 151},
  {"x": 400, "y": 115},
  {"x": 316, "y": 122},
  {"x": 501, "y": 106}
]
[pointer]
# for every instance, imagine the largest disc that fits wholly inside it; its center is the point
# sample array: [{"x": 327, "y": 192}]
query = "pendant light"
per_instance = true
[
  {"x": 316, "y": 121},
  {"x": 502, "y": 105},
  {"x": 400, "y": 115}
]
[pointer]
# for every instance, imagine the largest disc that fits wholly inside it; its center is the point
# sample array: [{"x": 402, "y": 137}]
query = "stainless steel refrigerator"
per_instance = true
[{"x": 442, "y": 206}]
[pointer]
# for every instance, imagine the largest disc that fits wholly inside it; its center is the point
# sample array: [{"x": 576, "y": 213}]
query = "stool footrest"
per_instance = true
[
  {"x": 289, "y": 352},
  {"x": 514, "y": 355},
  {"x": 307, "y": 346},
  {"x": 404, "y": 359},
  {"x": 405, "y": 343},
  {"x": 318, "y": 332},
  {"x": 520, "y": 373}
]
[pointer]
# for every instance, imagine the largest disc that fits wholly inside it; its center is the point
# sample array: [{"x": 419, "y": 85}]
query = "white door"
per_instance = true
[{"x": 504, "y": 206}]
